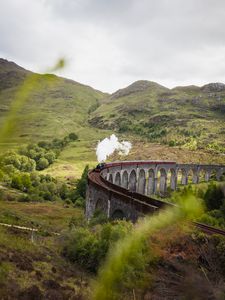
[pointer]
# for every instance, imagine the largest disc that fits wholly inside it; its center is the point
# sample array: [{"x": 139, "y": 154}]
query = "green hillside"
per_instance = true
[
  {"x": 55, "y": 106},
  {"x": 192, "y": 117},
  {"x": 146, "y": 113}
]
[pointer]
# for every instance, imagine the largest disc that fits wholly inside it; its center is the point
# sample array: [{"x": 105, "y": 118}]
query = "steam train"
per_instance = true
[{"x": 102, "y": 166}]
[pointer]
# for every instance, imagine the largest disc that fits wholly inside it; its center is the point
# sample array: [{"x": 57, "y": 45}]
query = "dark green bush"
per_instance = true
[
  {"x": 80, "y": 202},
  {"x": 219, "y": 251},
  {"x": 81, "y": 186},
  {"x": 42, "y": 163},
  {"x": 172, "y": 143},
  {"x": 64, "y": 191},
  {"x": 99, "y": 217},
  {"x": 17, "y": 162},
  {"x": 214, "y": 197},
  {"x": 21, "y": 181},
  {"x": 88, "y": 247},
  {"x": 73, "y": 136},
  {"x": 84, "y": 248}
]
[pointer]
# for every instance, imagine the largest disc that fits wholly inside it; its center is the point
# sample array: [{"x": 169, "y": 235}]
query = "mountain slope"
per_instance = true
[
  {"x": 54, "y": 107},
  {"x": 191, "y": 116}
]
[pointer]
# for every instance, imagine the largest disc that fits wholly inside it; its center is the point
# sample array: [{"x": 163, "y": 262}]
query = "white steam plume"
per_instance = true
[{"x": 107, "y": 146}]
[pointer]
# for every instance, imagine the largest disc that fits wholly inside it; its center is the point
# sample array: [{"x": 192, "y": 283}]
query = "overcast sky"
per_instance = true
[{"x": 109, "y": 44}]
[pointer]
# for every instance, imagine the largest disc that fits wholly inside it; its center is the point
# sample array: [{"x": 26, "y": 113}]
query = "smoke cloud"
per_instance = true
[{"x": 107, "y": 147}]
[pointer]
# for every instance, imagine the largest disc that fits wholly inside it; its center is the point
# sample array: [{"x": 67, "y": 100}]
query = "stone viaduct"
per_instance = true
[{"x": 126, "y": 189}]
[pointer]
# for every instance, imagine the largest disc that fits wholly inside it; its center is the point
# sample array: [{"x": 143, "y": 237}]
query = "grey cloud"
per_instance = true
[{"x": 109, "y": 44}]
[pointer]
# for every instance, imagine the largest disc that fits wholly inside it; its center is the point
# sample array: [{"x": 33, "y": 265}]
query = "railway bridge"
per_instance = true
[{"x": 126, "y": 189}]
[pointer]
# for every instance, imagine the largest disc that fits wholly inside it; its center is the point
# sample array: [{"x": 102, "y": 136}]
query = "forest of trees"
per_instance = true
[{"x": 19, "y": 170}]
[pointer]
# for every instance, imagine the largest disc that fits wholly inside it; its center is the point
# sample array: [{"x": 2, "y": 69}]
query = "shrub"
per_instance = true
[
  {"x": 80, "y": 190},
  {"x": 64, "y": 191},
  {"x": 25, "y": 198},
  {"x": 83, "y": 247},
  {"x": 77, "y": 221},
  {"x": 99, "y": 217},
  {"x": 17, "y": 162},
  {"x": 172, "y": 143},
  {"x": 80, "y": 202},
  {"x": 50, "y": 156},
  {"x": 42, "y": 163},
  {"x": 73, "y": 136},
  {"x": 219, "y": 251},
  {"x": 44, "y": 144},
  {"x": 89, "y": 247},
  {"x": 16, "y": 182},
  {"x": 214, "y": 197}
]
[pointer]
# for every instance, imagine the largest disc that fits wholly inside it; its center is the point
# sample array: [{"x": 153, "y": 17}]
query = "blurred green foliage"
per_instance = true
[
  {"x": 211, "y": 196},
  {"x": 87, "y": 246},
  {"x": 127, "y": 261}
]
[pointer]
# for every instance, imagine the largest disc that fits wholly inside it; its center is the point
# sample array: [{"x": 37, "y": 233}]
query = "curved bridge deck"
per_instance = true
[{"x": 115, "y": 199}]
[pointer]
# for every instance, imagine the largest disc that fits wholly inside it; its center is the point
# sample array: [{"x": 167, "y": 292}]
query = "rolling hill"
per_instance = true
[
  {"x": 54, "y": 107},
  {"x": 148, "y": 114},
  {"x": 190, "y": 116}
]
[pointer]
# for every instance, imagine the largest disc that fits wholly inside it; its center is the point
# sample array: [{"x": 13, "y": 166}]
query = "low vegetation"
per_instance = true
[
  {"x": 88, "y": 245},
  {"x": 20, "y": 171},
  {"x": 189, "y": 117},
  {"x": 212, "y": 196}
]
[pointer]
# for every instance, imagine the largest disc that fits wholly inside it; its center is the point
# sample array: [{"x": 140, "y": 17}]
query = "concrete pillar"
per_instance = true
[
  {"x": 155, "y": 185},
  {"x": 108, "y": 209},
  {"x": 195, "y": 178},
  {"x": 162, "y": 184},
  {"x": 141, "y": 182},
  {"x": 184, "y": 180},
  {"x": 150, "y": 185},
  {"x": 207, "y": 175},
  {"x": 146, "y": 186},
  {"x": 219, "y": 174},
  {"x": 118, "y": 178},
  {"x": 173, "y": 182},
  {"x": 133, "y": 181},
  {"x": 90, "y": 202}
]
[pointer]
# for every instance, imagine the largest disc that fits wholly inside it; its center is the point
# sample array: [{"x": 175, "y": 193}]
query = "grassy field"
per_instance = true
[
  {"x": 78, "y": 154},
  {"x": 48, "y": 216}
]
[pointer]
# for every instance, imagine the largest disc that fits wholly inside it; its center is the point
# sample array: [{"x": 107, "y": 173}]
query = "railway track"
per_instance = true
[{"x": 150, "y": 203}]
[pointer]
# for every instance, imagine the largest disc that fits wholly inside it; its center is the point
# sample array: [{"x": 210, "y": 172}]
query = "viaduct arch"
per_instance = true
[{"x": 127, "y": 188}]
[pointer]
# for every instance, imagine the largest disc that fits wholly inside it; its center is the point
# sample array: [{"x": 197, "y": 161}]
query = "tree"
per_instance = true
[
  {"x": 50, "y": 156},
  {"x": 42, "y": 163},
  {"x": 73, "y": 136},
  {"x": 17, "y": 182},
  {"x": 214, "y": 197},
  {"x": 44, "y": 144},
  {"x": 19, "y": 162},
  {"x": 81, "y": 186},
  {"x": 63, "y": 191},
  {"x": 27, "y": 164},
  {"x": 26, "y": 181}
]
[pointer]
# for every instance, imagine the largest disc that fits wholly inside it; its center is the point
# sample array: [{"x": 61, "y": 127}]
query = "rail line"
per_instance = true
[{"x": 150, "y": 204}]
